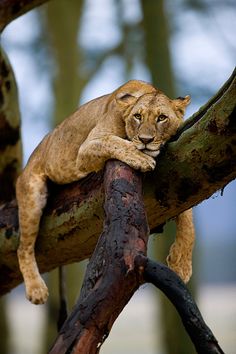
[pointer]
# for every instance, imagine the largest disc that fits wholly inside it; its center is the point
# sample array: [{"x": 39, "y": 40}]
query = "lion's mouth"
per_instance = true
[
  {"x": 153, "y": 153},
  {"x": 150, "y": 149}
]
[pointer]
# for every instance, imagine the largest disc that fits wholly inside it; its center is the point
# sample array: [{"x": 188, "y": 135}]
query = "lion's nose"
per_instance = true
[{"x": 146, "y": 139}]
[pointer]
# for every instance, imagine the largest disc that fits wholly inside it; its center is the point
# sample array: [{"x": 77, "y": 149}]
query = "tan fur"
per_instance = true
[
  {"x": 122, "y": 125},
  {"x": 180, "y": 255}
]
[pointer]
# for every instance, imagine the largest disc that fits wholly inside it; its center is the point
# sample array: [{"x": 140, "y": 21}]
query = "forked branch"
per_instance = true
[{"x": 117, "y": 268}]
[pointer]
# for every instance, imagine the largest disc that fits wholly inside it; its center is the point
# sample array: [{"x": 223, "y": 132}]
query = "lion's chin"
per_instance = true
[{"x": 151, "y": 153}]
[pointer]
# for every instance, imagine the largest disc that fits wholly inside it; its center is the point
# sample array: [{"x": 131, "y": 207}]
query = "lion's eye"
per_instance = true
[
  {"x": 161, "y": 118},
  {"x": 137, "y": 116}
]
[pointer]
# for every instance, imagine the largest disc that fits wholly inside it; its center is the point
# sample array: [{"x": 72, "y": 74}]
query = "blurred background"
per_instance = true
[{"x": 68, "y": 52}]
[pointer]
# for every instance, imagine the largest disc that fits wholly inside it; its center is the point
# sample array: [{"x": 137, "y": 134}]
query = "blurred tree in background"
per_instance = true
[
  {"x": 61, "y": 24},
  {"x": 83, "y": 45}
]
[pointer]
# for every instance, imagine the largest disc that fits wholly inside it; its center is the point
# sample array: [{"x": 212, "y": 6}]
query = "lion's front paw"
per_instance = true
[
  {"x": 37, "y": 292},
  {"x": 148, "y": 164},
  {"x": 140, "y": 161}
]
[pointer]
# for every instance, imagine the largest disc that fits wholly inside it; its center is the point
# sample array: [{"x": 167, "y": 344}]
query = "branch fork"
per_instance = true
[{"x": 118, "y": 267}]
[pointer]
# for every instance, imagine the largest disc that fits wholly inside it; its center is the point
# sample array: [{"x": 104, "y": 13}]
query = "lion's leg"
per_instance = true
[
  {"x": 94, "y": 152},
  {"x": 180, "y": 255},
  {"x": 31, "y": 192}
]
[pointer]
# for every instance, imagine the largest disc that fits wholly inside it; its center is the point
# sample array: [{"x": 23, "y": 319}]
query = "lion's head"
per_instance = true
[{"x": 150, "y": 117}]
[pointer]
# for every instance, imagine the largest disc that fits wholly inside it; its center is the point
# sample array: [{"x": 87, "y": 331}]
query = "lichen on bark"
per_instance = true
[{"x": 190, "y": 169}]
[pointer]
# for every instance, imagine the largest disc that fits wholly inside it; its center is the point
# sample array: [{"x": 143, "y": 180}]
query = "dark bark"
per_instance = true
[
  {"x": 10, "y": 143},
  {"x": 111, "y": 276},
  {"x": 117, "y": 268},
  {"x": 172, "y": 286},
  {"x": 11, "y": 9}
]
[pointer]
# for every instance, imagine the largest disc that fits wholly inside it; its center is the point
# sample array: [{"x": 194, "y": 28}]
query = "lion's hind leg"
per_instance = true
[
  {"x": 31, "y": 190},
  {"x": 180, "y": 254}
]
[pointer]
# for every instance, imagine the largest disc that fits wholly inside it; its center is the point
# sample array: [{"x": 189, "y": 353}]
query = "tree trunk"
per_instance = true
[
  {"x": 62, "y": 25},
  {"x": 157, "y": 51},
  {"x": 10, "y": 158}
]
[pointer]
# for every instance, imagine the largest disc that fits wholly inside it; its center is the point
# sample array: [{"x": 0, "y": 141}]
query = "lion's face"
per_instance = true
[
  {"x": 150, "y": 117},
  {"x": 151, "y": 122}
]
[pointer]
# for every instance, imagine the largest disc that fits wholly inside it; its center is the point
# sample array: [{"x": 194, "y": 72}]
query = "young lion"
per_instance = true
[{"x": 130, "y": 124}]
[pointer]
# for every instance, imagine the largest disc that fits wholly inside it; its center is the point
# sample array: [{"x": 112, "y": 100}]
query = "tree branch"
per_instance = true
[
  {"x": 110, "y": 279},
  {"x": 117, "y": 268},
  {"x": 10, "y": 142},
  {"x": 173, "y": 287},
  {"x": 11, "y": 9},
  {"x": 201, "y": 161}
]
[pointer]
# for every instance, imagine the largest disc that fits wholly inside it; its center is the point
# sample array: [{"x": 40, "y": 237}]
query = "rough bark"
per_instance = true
[
  {"x": 197, "y": 163},
  {"x": 11, "y": 9},
  {"x": 117, "y": 268},
  {"x": 110, "y": 277},
  {"x": 10, "y": 159},
  {"x": 10, "y": 143}
]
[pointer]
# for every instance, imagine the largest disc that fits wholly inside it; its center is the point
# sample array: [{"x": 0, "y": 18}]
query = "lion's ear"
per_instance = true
[
  {"x": 180, "y": 104},
  {"x": 126, "y": 98},
  {"x": 131, "y": 91}
]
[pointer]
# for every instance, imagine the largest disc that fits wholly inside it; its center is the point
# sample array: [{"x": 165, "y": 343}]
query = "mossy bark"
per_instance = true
[
  {"x": 201, "y": 161},
  {"x": 10, "y": 140},
  {"x": 10, "y": 157}
]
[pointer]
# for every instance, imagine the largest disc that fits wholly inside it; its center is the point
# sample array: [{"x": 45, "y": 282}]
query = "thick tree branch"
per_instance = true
[
  {"x": 203, "y": 110},
  {"x": 10, "y": 142},
  {"x": 201, "y": 161},
  {"x": 11, "y": 9},
  {"x": 172, "y": 286},
  {"x": 110, "y": 279},
  {"x": 117, "y": 268}
]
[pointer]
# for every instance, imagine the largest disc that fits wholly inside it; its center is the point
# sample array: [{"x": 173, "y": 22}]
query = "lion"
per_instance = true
[{"x": 130, "y": 124}]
